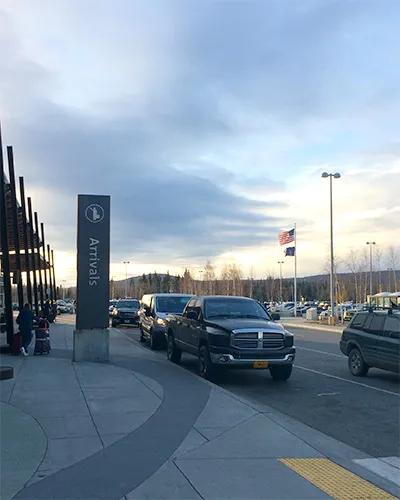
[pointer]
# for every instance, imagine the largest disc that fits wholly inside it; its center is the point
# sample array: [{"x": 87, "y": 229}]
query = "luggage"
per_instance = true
[
  {"x": 42, "y": 342},
  {"x": 17, "y": 344}
]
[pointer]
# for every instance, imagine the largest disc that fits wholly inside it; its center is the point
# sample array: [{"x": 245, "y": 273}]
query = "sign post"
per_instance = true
[{"x": 91, "y": 336}]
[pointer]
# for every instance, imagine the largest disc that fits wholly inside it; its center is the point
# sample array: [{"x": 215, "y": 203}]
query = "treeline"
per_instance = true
[{"x": 351, "y": 280}]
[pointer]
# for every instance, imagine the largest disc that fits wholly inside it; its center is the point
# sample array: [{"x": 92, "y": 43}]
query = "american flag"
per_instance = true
[{"x": 286, "y": 237}]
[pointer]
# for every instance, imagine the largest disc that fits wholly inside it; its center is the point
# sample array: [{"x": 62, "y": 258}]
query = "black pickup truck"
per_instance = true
[{"x": 230, "y": 332}]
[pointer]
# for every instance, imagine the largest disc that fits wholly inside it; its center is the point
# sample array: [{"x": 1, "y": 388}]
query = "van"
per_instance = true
[{"x": 154, "y": 309}]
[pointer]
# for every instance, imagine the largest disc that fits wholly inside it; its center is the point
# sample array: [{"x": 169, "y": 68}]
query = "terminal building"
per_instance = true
[{"x": 26, "y": 261}]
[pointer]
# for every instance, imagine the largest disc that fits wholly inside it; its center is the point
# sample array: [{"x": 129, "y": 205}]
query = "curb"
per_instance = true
[{"x": 313, "y": 327}]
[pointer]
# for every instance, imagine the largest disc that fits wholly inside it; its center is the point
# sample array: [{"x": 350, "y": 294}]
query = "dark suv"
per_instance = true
[{"x": 372, "y": 339}]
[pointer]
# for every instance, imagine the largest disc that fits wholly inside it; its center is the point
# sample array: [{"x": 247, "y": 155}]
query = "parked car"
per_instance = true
[
  {"x": 153, "y": 313},
  {"x": 348, "y": 314},
  {"x": 230, "y": 332},
  {"x": 372, "y": 339},
  {"x": 62, "y": 307},
  {"x": 126, "y": 312}
]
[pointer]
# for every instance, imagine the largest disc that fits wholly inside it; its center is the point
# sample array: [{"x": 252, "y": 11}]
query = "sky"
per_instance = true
[{"x": 209, "y": 123}]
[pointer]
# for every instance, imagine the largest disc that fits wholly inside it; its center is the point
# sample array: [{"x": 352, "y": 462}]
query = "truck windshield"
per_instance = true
[
  {"x": 128, "y": 304},
  {"x": 234, "y": 308},
  {"x": 174, "y": 305}
]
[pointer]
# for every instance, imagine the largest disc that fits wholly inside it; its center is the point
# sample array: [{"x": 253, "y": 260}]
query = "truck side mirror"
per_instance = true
[
  {"x": 191, "y": 315},
  {"x": 275, "y": 316}
]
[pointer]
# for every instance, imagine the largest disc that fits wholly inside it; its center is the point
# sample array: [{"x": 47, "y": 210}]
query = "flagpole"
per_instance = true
[{"x": 295, "y": 271}]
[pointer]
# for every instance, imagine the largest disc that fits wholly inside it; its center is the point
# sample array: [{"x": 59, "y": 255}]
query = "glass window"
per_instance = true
[
  {"x": 146, "y": 300},
  {"x": 392, "y": 325},
  {"x": 128, "y": 304},
  {"x": 197, "y": 308},
  {"x": 190, "y": 305},
  {"x": 358, "y": 321},
  {"x": 376, "y": 325},
  {"x": 171, "y": 304},
  {"x": 234, "y": 308}
]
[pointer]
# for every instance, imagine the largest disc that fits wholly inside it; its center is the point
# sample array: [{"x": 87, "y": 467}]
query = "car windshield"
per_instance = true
[
  {"x": 174, "y": 305},
  {"x": 234, "y": 308},
  {"x": 128, "y": 304}
]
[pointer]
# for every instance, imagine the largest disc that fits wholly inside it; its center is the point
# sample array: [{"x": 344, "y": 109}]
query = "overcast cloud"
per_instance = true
[{"x": 208, "y": 123}]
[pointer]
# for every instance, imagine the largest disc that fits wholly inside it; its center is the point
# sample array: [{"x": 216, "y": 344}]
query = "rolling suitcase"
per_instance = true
[
  {"x": 17, "y": 344},
  {"x": 42, "y": 342}
]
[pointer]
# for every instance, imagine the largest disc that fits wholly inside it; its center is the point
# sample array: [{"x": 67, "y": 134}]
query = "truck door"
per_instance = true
[
  {"x": 195, "y": 326},
  {"x": 185, "y": 330}
]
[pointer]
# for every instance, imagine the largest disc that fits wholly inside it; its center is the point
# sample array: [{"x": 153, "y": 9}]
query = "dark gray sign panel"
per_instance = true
[{"x": 93, "y": 262}]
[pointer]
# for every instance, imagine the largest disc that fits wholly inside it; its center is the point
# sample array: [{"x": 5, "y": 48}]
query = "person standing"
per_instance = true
[
  {"x": 25, "y": 323},
  {"x": 46, "y": 309}
]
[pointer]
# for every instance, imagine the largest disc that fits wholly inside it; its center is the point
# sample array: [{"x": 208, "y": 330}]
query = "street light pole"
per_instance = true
[
  {"x": 280, "y": 262},
  {"x": 370, "y": 243},
  {"x": 126, "y": 262},
  {"x": 63, "y": 287},
  {"x": 332, "y": 277}
]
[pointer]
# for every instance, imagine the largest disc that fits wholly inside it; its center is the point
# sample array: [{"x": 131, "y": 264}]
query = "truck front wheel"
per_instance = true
[
  {"x": 280, "y": 372},
  {"x": 206, "y": 368}
]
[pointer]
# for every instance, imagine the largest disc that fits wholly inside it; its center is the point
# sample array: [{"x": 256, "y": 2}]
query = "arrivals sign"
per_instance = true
[{"x": 93, "y": 262}]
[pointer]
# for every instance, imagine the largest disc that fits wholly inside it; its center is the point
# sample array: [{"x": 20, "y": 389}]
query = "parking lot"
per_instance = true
[{"x": 361, "y": 412}]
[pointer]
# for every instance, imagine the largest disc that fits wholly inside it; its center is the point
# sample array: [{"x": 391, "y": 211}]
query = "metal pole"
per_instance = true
[
  {"x": 39, "y": 260},
  {"x": 295, "y": 271},
  {"x": 50, "y": 277},
  {"x": 5, "y": 252},
  {"x": 332, "y": 283},
  {"x": 34, "y": 262},
  {"x": 54, "y": 275},
  {"x": 370, "y": 243},
  {"x": 45, "y": 261},
  {"x": 26, "y": 244},
  {"x": 18, "y": 267},
  {"x": 370, "y": 269}
]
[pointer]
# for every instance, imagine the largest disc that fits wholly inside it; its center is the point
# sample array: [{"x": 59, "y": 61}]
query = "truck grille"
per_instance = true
[
  {"x": 127, "y": 314},
  {"x": 257, "y": 340}
]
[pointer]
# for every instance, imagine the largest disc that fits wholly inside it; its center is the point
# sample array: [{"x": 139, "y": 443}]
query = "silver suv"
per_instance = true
[{"x": 153, "y": 313}]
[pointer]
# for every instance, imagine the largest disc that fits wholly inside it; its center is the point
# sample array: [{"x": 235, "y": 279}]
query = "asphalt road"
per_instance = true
[{"x": 361, "y": 412}]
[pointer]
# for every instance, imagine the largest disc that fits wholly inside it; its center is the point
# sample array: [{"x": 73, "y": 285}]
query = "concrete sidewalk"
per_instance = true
[
  {"x": 310, "y": 325},
  {"x": 142, "y": 428}
]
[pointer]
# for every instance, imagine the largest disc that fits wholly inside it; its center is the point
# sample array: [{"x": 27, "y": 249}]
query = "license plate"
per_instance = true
[
  {"x": 260, "y": 364},
  {"x": 127, "y": 321}
]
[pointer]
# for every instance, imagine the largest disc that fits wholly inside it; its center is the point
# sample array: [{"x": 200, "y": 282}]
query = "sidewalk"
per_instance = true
[
  {"x": 140, "y": 427},
  {"x": 311, "y": 325}
]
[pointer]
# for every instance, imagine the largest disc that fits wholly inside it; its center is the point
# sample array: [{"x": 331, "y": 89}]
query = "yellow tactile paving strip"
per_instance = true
[{"x": 334, "y": 480}]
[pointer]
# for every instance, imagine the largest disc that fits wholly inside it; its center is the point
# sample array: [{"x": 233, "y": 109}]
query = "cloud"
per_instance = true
[{"x": 205, "y": 121}]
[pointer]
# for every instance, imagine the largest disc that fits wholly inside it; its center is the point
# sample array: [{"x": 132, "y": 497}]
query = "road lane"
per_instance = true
[{"x": 322, "y": 394}]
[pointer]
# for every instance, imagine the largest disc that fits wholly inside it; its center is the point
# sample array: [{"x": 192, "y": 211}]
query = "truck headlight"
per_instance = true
[
  {"x": 289, "y": 340},
  {"x": 160, "y": 321}
]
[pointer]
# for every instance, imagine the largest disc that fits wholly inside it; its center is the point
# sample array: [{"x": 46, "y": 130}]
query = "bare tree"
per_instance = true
[
  {"x": 209, "y": 278},
  {"x": 235, "y": 274},
  {"x": 393, "y": 263},
  {"x": 225, "y": 276},
  {"x": 251, "y": 280},
  {"x": 231, "y": 278},
  {"x": 354, "y": 265}
]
